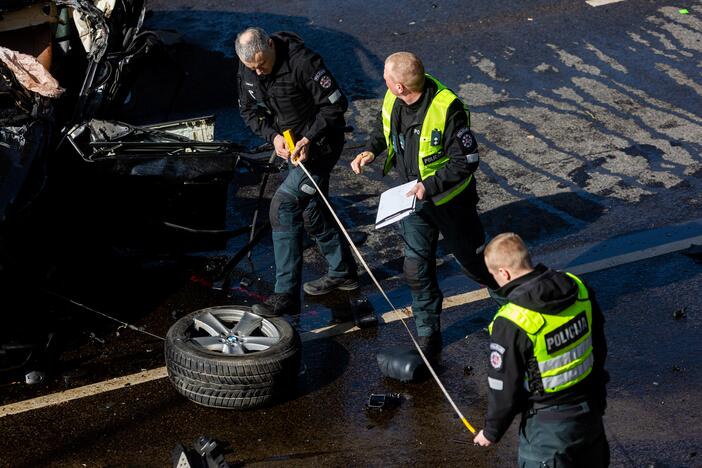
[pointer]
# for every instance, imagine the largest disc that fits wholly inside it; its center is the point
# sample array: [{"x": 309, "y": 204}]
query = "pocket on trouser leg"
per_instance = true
[{"x": 282, "y": 211}]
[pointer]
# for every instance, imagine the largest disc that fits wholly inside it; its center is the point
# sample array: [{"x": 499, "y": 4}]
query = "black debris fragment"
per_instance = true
[
  {"x": 383, "y": 401},
  {"x": 680, "y": 313},
  {"x": 694, "y": 252},
  {"x": 403, "y": 364},
  {"x": 363, "y": 312},
  {"x": 204, "y": 454}
]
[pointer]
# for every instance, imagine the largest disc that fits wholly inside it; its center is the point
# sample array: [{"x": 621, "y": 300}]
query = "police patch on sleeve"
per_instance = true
[
  {"x": 496, "y": 353},
  {"x": 323, "y": 78},
  {"x": 465, "y": 137},
  {"x": 496, "y": 360}
]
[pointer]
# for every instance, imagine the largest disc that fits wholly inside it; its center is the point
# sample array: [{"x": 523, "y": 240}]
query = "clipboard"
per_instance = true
[{"x": 395, "y": 205}]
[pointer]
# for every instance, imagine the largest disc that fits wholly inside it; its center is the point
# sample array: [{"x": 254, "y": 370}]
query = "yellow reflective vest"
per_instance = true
[
  {"x": 562, "y": 343},
  {"x": 431, "y": 150}
]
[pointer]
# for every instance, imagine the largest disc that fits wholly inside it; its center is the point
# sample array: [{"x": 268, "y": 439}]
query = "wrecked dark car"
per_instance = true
[{"x": 73, "y": 176}]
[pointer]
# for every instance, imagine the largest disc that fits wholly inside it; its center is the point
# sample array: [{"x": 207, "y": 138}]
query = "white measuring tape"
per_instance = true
[{"x": 382, "y": 291}]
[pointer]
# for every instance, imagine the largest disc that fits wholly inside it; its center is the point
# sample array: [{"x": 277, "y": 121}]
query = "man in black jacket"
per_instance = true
[
  {"x": 285, "y": 86},
  {"x": 547, "y": 354},
  {"x": 425, "y": 130}
]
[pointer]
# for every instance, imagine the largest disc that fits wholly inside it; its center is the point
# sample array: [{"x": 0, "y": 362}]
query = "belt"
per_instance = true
[{"x": 567, "y": 409}]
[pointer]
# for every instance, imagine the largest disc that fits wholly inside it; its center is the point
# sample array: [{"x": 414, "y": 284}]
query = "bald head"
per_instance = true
[
  {"x": 405, "y": 68},
  {"x": 507, "y": 253}
]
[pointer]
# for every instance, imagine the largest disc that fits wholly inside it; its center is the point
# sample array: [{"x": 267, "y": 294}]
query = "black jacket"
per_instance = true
[
  {"x": 458, "y": 141},
  {"x": 299, "y": 94},
  {"x": 548, "y": 292}
]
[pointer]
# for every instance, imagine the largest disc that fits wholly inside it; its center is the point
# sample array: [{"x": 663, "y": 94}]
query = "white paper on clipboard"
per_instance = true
[{"x": 395, "y": 205}]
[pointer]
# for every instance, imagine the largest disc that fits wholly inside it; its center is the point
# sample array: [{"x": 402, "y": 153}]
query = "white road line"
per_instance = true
[
  {"x": 636, "y": 256},
  {"x": 596, "y": 3},
  {"x": 334, "y": 330}
]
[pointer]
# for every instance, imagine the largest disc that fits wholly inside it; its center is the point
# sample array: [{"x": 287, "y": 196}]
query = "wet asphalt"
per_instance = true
[
  {"x": 653, "y": 417},
  {"x": 588, "y": 120}
]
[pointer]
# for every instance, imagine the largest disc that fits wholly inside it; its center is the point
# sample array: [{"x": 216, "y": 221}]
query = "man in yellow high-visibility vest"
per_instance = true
[
  {"x": 547, "y": 354},
  {"x": 425, "y": 129}
]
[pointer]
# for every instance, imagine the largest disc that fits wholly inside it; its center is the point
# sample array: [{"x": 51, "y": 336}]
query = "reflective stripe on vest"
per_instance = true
[
  {"x": 562, "y": 343},
  {"x": 430, "y": 157}
]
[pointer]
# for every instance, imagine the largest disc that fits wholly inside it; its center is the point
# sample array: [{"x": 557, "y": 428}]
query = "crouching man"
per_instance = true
[{"x": 547, "y": 353}]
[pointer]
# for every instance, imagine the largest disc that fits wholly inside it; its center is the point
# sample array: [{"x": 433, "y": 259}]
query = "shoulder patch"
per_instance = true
[
  {"x": 496, "y": 360},
  {"x": 465, "y": 137},
  {"x": 323, "y": 78},
  {"x": 496, "y": 356},
  {"x": 317, "y": 76}
]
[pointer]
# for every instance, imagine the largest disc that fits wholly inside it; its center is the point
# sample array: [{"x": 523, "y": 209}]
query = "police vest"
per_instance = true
[
  {"x": 562, "y": 343},
  {"x": 431, "y": 150}
]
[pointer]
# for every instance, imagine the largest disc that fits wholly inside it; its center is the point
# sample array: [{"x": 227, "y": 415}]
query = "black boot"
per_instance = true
[
  {"x": 430, "y": 345},
  {"x": 327, "y": 284},
  {"x": 277, "y": 305}
]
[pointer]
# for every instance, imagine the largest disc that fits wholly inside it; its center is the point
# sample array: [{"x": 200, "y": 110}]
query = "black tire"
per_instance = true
[{"x": 218, "y": 380}]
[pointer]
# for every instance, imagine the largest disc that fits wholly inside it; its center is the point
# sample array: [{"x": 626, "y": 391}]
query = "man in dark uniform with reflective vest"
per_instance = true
[
  {"x": 285, "y": 86},
  {"x": 425, "y": 129},
  {"x": 547, "y": 354}
]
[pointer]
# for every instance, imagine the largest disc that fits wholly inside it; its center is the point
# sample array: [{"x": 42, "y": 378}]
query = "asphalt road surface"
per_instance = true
[{"x": 588, "y": 120}]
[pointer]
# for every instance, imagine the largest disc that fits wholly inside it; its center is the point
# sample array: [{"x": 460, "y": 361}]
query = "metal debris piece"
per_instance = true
[
  {"x": 383, "y": 401},
  {"x": 34, "y": 377},
  {"x": 204, "y": 454}
]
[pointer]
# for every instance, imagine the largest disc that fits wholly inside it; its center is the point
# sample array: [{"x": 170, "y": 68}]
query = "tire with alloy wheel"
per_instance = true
[{"x": 228, "y": 357}]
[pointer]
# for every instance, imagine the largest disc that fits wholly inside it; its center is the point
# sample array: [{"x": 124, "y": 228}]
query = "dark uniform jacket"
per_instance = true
[
  {"x": 458, "y": 142},
  {"x": 548, "y": 292},
  {"x": 299, "y": 94}
]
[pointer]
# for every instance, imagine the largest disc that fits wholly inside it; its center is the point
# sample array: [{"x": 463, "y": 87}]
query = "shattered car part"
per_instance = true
[
  {"x": 183, "y": 150},
  {"x": 34, "y": 377},
  {"x": 30, "y": 73},
  {"x": 206, "y": 453},
  {"x": 383, "y": 401},
  {"x": 363, "y": 312},
  {"x": 403, "y": 364}
]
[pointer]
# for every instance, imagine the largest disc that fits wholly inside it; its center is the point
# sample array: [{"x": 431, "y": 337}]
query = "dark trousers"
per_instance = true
[
  {"x": 563, "y": 436},
  {"x": 464, "y": 236},
  {"x": 295, "y": 206}
]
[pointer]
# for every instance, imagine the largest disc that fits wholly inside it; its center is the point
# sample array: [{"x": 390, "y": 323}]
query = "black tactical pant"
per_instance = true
[
  {"x": 464, "y": 236},
  {"x": 569, "y": 435},
  {"x": 297, "y": 204}
]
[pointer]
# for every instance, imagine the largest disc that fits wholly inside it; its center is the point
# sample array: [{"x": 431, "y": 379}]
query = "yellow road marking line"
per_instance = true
[{"x": 81, "y": 392}]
